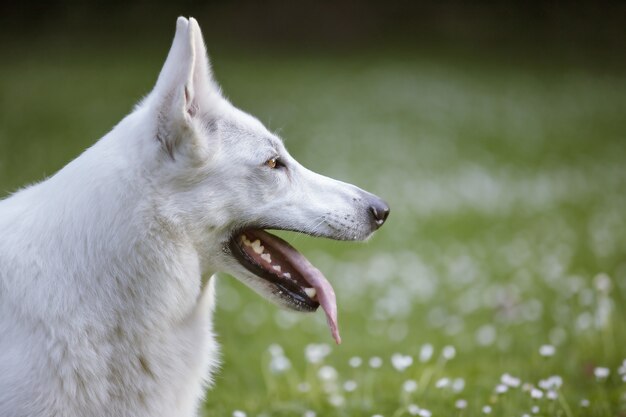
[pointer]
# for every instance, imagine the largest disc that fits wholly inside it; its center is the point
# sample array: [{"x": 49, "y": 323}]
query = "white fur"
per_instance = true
[{"x": 103, "y": 310}]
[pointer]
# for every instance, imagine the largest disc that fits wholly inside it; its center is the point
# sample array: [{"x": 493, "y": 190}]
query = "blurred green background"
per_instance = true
[{"x": 497, "y": 133}]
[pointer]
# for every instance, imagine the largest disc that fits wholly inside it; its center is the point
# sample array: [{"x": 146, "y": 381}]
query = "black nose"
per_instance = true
[{"x": 380, "y": 211}]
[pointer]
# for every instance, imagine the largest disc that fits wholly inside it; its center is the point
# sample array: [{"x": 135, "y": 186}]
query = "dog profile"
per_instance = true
[{"x": 106, "y": 267}]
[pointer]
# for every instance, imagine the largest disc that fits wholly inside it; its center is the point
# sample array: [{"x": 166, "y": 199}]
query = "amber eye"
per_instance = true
[{"x": 272, "y": 163}]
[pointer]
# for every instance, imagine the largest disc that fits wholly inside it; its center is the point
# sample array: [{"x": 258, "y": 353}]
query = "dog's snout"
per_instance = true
[{"x": 380, "y": 211}]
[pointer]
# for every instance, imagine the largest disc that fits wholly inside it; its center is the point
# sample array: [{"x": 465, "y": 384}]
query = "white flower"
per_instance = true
[
  {"x": 400, "y": 361},
  {"x": 603, "y": 283},
  {"x": 535, "y": 409},
  {"x": 239, "y": 413},
  {"x": 584, "y": 402},
  {"x": 458, "y": 384},
  {"x": 355, "y": 361},
  {"x": 486, "y": 335},
  {"x": 350, "y": 385},
  {"x": 413, "y": 409},
  {"x": 309, "y": 413},
  {"x": 409, "y": 386},
  {"x": 460, "y": 404},
  {"x": 510, "y": 381},
  {"x": 551, "y": 383},
  {"x": 304, "y": 387},
  {"x": 336, "y": 400},
  {"x": 487, "y": 409},
  {"x": 536, "y": 393},
  {"x": 442, "y": 382},
  {"x": 276, "y": 350},
  {"x": 426, "y": 352},
  {"x": 327, "y": 373},
  {"x": 375, "y": 362},
  {"x": 501, "y": 389},
  {"x": 547, "y": 350},
  {"x": 601, "y": 373},
  {"x": 552, "y": 395},
  {"x": 448, "y": 352},
  {"x": 279, "y": 364},
  {"x": 425, "y": 413},
  {"x": 377, "y": 415},
  {"x": 315, "y": 353}
]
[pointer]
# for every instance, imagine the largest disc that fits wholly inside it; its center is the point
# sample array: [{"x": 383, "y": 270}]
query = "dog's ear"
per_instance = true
[{"x": 185, "y": 87}]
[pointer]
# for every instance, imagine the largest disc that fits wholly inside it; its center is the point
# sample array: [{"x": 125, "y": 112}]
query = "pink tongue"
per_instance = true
[
  {"x": 312, "y": 275},
  {"x": 325, "y": 294}
]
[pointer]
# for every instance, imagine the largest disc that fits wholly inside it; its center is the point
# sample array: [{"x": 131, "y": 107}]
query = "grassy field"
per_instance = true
[{"x": 498, "y": 284}]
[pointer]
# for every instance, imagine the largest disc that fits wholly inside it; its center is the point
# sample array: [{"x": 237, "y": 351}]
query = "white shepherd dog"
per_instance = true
[{"x": 103, "y": 307}]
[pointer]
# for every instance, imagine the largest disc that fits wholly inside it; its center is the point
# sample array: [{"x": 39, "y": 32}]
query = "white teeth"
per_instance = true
[
  {"x": 287, "y": 275},
  {"x": 245, "y": 240},
  {"x": 277, "y": 268},
  {"x": 267, "y": 258},
  {"x": 310, "y": 292},
  {"x": 257, "y": 247}
]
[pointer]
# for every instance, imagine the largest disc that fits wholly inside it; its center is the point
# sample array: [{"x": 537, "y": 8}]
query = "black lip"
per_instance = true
[{"x": 284, "y": 288}]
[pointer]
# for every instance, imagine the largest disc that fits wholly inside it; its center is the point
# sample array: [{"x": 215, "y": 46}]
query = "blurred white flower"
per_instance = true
[
  {"x": 327, "y": 373},
  {"x": 547, "y": 350},
  {"x": 426, "y": 352},
  {"x": 375, "y": 362},
  {"x": 487, "y": 409},
  {"x": 336, "y": 400},
  {"x": 601, "y": 373},
  {"x": 448, "y": 352},
  {"x": 355, "y": 361},
  {"x": 413, "y": 409},
  {"x": 501, "y": 389},
  {"x": 603, "y": 283},
  {"x": 276, "y": 350},
  {"x": 534, "y": 409},
  {"x": 486, "y": 335},
  {"x": 551, "y": 383},
  {"x": 552, "y": 395},
  {"x": 377, "y": 415},
  {"x": 442, "y": 383},
  {"x": 458, "y": 384},
  {"x": 401, "y": 362},
  {"x": 304, "y": 387},
  {"x": 536, "y": 393},
  {"x": 239, "y": 413},
  {"x": 279, "y": 364},
  {"x": 510, "y": 381},
  {"x": 461, "y": 404},
  {"x": 425, "y": 413},
  {"x": 309, "y": 413},
  {"x": 409, "y": 385},
  {"x": 584, "y": 403},
  {"x": 316, "y": 352},
  {"x": 350, "y": 385}
]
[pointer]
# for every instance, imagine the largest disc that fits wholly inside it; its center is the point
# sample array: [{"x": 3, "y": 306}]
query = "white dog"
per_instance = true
[{"x": 103, "y": 305}]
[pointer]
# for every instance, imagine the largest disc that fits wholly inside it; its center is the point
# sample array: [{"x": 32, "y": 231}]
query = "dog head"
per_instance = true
[{"x": 223, "y": 179}]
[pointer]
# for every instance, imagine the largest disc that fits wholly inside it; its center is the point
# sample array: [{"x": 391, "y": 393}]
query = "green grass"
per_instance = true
[{"x": 508, "y": 229}]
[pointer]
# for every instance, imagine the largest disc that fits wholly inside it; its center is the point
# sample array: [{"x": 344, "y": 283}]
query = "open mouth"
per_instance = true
[{"x": 293, "y": 276}]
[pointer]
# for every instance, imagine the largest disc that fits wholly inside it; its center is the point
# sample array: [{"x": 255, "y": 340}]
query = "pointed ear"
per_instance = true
[
  {"x": 184, "y": 84},
  {"x": 205, "y": 88}
]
